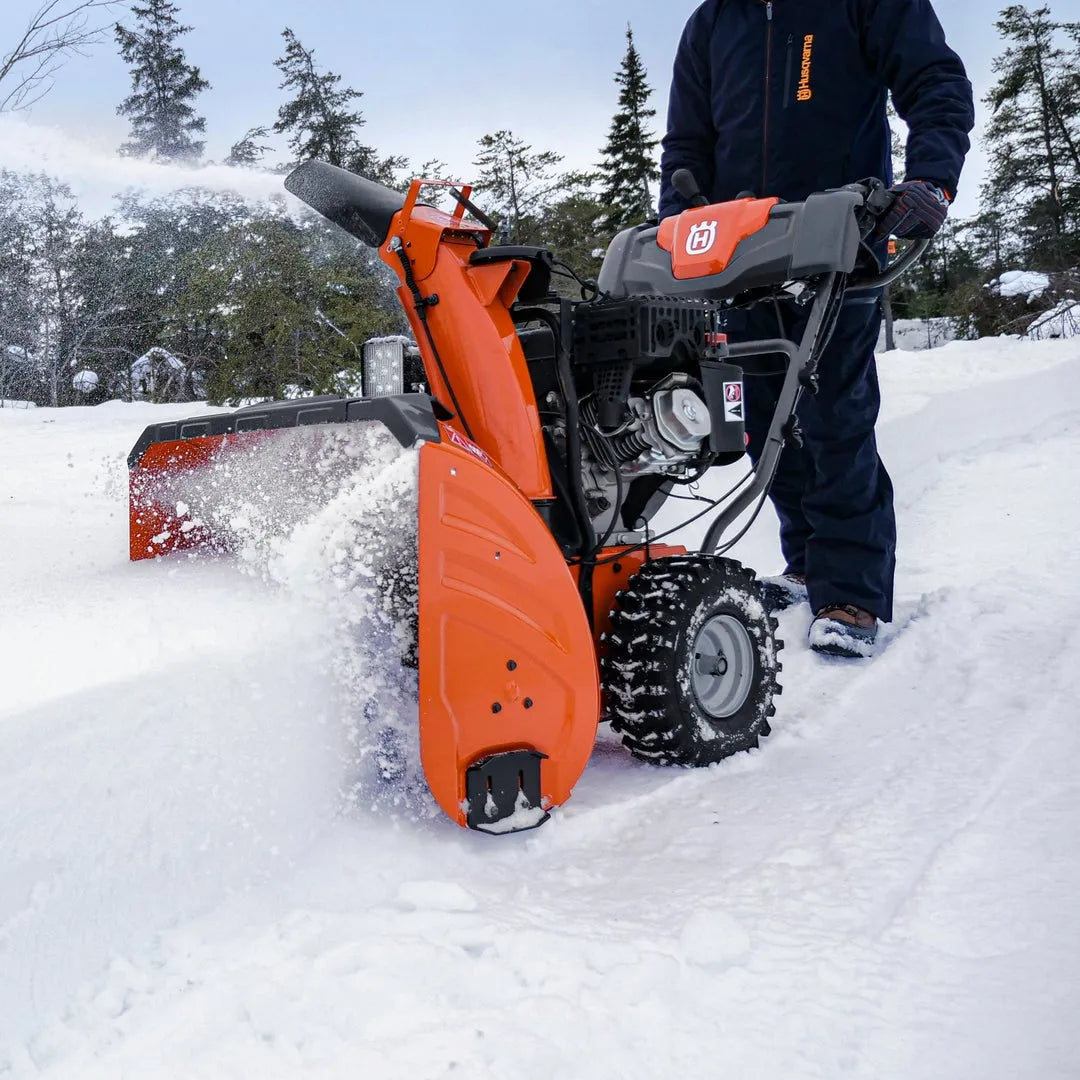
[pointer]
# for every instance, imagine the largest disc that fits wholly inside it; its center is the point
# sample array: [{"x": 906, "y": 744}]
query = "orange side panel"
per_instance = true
[
  {"x": 506, "y": 657},
  {"x": 702, "y": 241}
]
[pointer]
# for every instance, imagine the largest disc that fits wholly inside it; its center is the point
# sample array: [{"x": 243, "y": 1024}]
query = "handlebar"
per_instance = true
[
  {"x": 878, "y": 201},
  {"x": 891, "y": 272}
]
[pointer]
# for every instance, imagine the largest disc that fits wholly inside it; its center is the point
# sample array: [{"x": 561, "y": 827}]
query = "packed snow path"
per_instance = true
[{"x": 887, "y": 889}]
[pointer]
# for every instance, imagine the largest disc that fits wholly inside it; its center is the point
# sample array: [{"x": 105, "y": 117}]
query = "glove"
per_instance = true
[{"x": 918, "y": 212}]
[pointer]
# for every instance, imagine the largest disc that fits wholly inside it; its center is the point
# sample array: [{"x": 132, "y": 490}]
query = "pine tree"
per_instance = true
[
  {"x": 164, "y": 85},
  {"x": 571, "y": 228},
  {"x": 1034, "y": 136},
  {"x": 283, "y": 320},
  {"x": 248, "y": 150},
  {"x": 629, "y": 166},
  {"x": 320, "y": 118},
  {"x": 519, "y": 181}
]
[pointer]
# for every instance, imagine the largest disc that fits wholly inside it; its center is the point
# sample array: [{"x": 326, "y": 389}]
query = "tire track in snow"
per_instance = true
[{"x": 808, "y": 911}]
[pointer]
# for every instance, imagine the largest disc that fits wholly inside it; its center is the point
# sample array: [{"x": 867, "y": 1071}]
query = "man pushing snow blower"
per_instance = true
[{"x": 816, "y": 121}]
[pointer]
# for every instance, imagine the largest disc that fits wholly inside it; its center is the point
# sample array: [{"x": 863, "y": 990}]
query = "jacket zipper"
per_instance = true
[
  {"x": 765, "y": 120},
  {"x": 789, "y": 69}
]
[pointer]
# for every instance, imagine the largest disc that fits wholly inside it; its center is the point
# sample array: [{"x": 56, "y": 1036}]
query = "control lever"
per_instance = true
[{"x": 682, "y": 180}]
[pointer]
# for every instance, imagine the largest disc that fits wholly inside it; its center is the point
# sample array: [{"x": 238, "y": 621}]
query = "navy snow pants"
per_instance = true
[{"x": 832, "y": 495}]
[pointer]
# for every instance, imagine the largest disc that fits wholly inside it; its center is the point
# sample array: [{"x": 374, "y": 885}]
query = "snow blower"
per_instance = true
[{"x": 550, "y": 431}]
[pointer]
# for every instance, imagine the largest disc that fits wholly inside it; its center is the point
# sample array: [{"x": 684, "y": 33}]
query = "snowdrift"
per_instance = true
[{"x": 190, "y": 887}]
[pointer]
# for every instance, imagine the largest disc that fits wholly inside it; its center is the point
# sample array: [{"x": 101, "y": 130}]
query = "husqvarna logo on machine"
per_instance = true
[{"x": 701, "y": 239}]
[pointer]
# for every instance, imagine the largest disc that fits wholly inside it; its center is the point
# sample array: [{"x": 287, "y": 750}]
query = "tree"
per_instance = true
[
  {"x": 990, "y": 241},
  {"x": 1034, "y": 136},
  {"x": 629, "y": 166},
  {"x": 284, "y": 323},
  {"x": 39, "y": 305},
  {"x": 572, "y": 227},
  {"x": 520, "y": 181},
  {"x": 161, "y": 259},
  {"x": 55, "y": 30},
  {"x": 247, "y": 150},
  {"x": 164, "y": 85},
  {"x": 320, "y": 118},
  {"x": 17, "y": 320}
]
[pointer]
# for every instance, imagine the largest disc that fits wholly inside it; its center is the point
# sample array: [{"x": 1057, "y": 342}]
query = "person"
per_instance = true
[{"x": 784, "y": 98}]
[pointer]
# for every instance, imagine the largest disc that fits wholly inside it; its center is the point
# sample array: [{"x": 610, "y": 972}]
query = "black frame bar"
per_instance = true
[{"x": 802, "y": 362}]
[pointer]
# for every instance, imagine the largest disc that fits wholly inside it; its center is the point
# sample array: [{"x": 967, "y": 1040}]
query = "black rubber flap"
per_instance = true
[
  {"x": 499, "y": 787},
  {"x": 361, "y": 207}
]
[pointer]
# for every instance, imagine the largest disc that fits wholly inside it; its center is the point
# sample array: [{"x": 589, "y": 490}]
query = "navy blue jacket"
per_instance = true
[{"x": 789, "y": 96}]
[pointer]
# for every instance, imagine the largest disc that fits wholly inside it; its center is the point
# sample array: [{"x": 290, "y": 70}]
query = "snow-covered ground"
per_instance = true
[{"x": 886, "y": 889}]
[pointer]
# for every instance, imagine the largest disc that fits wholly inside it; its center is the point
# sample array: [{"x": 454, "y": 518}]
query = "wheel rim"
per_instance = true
[{"x": 723, "y": 666}]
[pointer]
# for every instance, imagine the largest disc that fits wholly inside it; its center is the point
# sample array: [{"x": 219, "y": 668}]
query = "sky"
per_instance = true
[{"x": 434, "y": 78}]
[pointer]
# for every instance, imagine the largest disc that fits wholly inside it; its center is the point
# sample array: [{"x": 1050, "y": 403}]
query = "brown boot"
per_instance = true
[{"x": 844, "y": 630}]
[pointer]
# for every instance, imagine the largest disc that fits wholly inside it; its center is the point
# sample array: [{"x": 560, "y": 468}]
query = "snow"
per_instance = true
[
  {"x": 96, "y": 173},
  {"x": 913, "y": 335},
  {"x": 1061, "y": 321},
  {"x": 525, "y": 816},
  {"x": 1021, "y": 283},
  {"x": 189, "y": 886},
  {"x": 827, "y": 634},
  {"x": 85, "y": 381}
]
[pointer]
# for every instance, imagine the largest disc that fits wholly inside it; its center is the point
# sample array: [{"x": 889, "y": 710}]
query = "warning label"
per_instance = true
[
  {"x": 733, "y": 402},
  {"x": 454, "y": 436}
]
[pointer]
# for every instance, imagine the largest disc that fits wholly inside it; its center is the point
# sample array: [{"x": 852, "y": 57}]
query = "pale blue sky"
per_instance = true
[{"x": 434, "y": 78}]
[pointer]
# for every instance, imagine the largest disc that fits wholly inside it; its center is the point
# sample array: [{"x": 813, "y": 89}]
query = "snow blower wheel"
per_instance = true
[{"x": 691, "y": 665}]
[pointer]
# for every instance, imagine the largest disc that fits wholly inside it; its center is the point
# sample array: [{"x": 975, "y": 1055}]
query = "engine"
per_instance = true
[
  {"x": 651, "y": 407},
  {"x": 657, "y": 402},
  {"x": 663, "y": 431},
  {"x": 664, "y": 437}
]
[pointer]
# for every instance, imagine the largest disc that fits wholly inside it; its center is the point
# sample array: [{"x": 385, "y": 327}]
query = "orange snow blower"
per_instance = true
[{"x": 550, "y": 432}]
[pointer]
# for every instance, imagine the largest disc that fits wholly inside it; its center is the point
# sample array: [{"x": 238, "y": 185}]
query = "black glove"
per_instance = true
[{"x": 918, "y": 212}]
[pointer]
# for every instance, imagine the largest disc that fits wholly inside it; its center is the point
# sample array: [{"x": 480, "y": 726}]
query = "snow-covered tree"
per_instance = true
[
  {"x": 163, "y": 86},
  {"x": 39, "y": 303},
  {"x": 280, "y": 318},
  {"x": 158, "y": 376}
]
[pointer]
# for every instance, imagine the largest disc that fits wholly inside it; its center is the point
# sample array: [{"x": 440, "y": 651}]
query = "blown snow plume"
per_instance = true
[
  {"x": 96, "y": 176},
  {"x": 328, "y": 513}
]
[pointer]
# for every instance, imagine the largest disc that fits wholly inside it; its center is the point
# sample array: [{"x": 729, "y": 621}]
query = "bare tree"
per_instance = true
[{"x": 57, "y": 29}]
